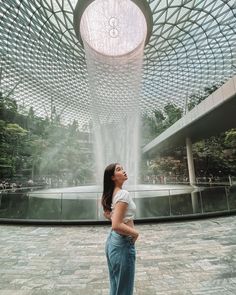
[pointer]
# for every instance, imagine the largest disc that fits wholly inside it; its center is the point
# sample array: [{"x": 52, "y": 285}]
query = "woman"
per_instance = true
[{"x": 120, "y": 249}]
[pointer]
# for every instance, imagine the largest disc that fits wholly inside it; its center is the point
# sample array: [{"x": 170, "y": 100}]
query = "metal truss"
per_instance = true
[{"x": 192, "y": 46}]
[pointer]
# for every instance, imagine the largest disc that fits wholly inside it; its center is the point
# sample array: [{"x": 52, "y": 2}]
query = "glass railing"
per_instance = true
[
  {"x": 25, "y": 205},
  {"x": 206, "y": 181}
]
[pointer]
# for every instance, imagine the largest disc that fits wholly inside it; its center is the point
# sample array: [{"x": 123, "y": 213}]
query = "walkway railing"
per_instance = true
[{"x": 85, "y": 207}]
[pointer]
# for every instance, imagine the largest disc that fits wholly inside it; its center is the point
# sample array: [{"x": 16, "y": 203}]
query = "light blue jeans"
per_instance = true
[{"x": 121, "y": 256}]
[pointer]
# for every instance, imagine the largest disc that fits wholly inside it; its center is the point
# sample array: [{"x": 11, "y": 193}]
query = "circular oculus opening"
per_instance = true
[{"x": 113, "y": 27}]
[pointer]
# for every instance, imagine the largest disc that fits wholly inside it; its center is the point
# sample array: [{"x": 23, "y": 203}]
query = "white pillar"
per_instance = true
[
  {"x": 192, "y": 177},
  {"x": 191, "y": 170}
]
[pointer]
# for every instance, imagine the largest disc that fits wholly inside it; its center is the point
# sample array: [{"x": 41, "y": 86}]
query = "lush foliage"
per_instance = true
[{"x": 42, "y": 148}]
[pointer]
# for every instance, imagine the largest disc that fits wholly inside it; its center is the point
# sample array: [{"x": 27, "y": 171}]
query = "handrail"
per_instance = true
[
  {"x": 20, "y": 188},
  {"x": 100, "y": 192}
]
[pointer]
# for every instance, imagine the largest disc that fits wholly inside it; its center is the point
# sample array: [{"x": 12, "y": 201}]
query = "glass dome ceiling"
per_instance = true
[{"x": 192, "y": 46}]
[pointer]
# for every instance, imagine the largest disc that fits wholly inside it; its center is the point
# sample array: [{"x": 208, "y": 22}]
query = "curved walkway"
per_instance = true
[{"x": 185, "y": 257}]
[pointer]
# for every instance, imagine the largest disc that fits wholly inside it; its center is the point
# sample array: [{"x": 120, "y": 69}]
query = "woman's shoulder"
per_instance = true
[
  {"x": 121, "y": 195},
  {"x": 125, "y": 194},
  {"x": 125, "y": 191},
  {"x": 122, "y": 192}
]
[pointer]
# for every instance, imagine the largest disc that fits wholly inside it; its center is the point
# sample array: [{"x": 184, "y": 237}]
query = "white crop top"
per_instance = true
[{"x": 124, "y": 196}]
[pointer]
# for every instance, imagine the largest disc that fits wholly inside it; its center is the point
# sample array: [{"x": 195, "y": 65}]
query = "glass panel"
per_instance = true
[
  {"x": 182, "y": 204},
  {"x": 214, "y": 199},
  {"x": 13, "y": 205},
  {"x": 151, "y": 203},
  {"x": 232, "y": 197},
  {"x": 44, "y": 206},
  {"x": 79, "y": 206}
]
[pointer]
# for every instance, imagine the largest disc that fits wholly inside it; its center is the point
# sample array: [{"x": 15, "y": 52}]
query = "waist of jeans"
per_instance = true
[{"x": 115, "y": 233}]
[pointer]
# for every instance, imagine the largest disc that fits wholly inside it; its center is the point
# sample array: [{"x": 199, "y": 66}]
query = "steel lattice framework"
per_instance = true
[{"x": 192, "y": 46}]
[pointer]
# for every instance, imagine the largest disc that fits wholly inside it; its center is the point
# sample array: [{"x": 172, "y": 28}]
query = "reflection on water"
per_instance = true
[{"x": 83, "y": 203}]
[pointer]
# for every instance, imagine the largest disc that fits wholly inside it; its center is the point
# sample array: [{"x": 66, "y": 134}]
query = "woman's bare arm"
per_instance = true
[{"x": 117, "y": 220}]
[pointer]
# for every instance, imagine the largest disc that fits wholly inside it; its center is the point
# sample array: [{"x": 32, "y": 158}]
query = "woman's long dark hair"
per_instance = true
[{"x": 108, "y": 186}]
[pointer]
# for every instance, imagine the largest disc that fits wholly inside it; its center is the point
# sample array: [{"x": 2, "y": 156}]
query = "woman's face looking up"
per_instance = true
[{"x": 119, "y": 174}]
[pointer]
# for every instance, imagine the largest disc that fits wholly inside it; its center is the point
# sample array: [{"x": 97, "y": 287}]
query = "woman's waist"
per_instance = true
[
  {"x": 129, "y": 222},
  {"x": 122, "y": 236}
]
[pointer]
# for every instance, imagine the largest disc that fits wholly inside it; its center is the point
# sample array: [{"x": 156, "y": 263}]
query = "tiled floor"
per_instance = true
[{"x": 185, "y": 257}]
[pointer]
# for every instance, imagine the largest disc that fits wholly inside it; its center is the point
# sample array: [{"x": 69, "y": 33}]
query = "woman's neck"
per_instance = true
[{"x": 118, "y": 186}]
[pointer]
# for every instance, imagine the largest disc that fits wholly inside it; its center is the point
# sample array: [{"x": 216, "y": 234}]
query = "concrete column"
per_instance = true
[
  {"x": 192, "y": 177},
  {"x": 191, "y": 170}
]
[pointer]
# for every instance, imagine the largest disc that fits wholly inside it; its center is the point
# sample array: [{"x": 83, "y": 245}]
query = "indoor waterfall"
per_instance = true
[{"x": 114, "y": 35}]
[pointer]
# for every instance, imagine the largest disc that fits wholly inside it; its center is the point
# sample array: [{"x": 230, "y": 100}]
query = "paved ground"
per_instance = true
[{"x": 186, "y": 257}]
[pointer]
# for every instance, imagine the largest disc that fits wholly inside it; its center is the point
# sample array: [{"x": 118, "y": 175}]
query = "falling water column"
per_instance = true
[{"x": 113, "y": 34}]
